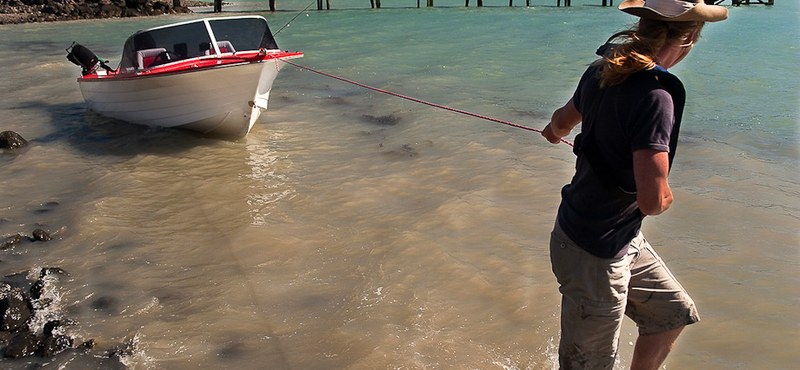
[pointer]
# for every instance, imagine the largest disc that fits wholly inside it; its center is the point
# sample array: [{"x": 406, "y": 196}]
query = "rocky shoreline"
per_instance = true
[
  {"x": 33, "y": 321},
  {"x": 30, "y": 11}
]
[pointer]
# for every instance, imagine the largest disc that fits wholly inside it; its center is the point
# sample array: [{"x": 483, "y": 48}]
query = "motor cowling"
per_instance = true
[{"x": 85, "y": 58}]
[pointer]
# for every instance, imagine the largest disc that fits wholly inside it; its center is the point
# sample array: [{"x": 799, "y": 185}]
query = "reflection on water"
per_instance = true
[{"x": 270, "y": 183}]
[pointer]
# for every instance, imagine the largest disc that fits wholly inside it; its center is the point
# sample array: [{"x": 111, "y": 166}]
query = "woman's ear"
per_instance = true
[{"x": 692, "y": 37}]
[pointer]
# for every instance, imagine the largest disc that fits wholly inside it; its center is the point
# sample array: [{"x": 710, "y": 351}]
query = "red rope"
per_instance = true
[{"x": 420, "y": 101}]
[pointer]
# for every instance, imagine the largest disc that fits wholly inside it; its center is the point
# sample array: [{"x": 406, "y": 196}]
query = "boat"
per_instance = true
[{"x": 210, "y": 75}]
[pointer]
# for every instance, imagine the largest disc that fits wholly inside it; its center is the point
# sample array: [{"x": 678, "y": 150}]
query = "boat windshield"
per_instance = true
[{"x": 191, "y": 39}]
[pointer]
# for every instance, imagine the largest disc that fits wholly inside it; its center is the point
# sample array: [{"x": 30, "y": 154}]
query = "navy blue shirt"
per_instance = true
[{"x": 636, "y": 114}]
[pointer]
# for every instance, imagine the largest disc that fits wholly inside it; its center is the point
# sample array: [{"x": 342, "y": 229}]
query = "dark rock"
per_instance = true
[
  {"x": 25, "y": 11},
  {"x": 52, "y": 271},
  {"x": 135, "y": 3},
  {"x": 22, "y": 345},
  {"x": 41, "y": 235},
  {"x": 10, "y": 241},
  {"x": 15, "y": 308},
  {"x": 161, "y": 6},
  {"x": 109, "y": 11},
  {"x": 40, "y": 286},
  {"x": 37, "y": 289},
  {"x": 47, "y": 331},
  {"x": 89, "y": 344},
  {"x": 5, "y": 336},
  {"x": 12, "y": 140},
  {"x": 126, "y": 349},
  {"x": 55, "y": 344}
]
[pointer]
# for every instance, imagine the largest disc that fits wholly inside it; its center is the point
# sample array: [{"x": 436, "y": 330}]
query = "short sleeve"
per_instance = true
[{"x": 654, "y": 118}]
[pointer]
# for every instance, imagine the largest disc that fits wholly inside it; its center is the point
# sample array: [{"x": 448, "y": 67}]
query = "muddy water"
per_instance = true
[{"x": 353, "y": 230}]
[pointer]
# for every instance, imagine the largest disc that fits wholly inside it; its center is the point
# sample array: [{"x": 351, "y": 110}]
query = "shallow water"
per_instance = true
[{"x": 355, "y": 230}]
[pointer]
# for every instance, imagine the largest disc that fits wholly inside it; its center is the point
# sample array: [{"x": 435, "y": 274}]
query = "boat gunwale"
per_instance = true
[{"x": 227, "y": 61}]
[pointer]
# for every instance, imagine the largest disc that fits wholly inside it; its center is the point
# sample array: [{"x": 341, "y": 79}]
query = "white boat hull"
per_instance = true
[
  {"x": 211, "y": 75},
  {"x": 223, "y": 100}
]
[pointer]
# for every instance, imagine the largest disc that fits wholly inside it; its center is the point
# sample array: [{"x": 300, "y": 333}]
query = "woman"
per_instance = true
[{"x": 631, "y": 108}]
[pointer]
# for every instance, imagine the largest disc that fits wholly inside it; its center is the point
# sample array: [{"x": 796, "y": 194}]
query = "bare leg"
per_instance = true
[{"x": 651, "y": 350}]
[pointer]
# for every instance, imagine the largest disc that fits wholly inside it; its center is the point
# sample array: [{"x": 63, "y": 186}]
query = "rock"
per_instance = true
[
  {"x": 41, "y": 235},
  {"x": 89, "y": 344},
  {"x": 39, "y": 286},
  {"x": 52, "y": 271},
  {"x": 15, "y": 308},
  {"x": 26, "y": 11},
  {"x": 47, "y": 331},
  {"x": 5, "y": 336},
  {"x": 17, "y": 334},
  {"x": 12, "y": 140},
  {"x": 37, "y": 289},
  {"x": 110, "y": 11},
  {"x": 135, "y": 3},
  {"x": 22, "y": 345},
  {"x": 10, "y": 241},
  {"x": 126, "y": 349},
  {"x": 55, "y": 344}
]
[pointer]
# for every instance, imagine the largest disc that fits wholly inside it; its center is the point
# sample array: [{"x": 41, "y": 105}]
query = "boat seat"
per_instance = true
[
  {"x": 225, "y": 47},
  {"x": 146, "y": 57}
]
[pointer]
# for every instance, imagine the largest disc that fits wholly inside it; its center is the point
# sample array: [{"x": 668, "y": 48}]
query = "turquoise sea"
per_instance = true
[{"x": 355, "y": 230}]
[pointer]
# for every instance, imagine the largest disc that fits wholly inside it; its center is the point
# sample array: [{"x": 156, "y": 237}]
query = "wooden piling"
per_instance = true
[
  {"x": 480, "y": 3},
  {"x": 327, "y": 4},
  {"x": 749, "y": 2}
]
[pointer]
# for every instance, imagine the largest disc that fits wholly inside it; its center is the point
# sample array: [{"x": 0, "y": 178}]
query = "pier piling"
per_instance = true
[{"x": 748, "y": 2}]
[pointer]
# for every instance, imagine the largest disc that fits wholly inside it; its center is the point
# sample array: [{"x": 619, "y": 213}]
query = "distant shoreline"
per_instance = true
[{"x": 27, "y": 11}]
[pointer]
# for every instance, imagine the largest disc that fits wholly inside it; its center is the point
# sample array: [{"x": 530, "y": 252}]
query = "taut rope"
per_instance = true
[{"x": 419, "y": 100}]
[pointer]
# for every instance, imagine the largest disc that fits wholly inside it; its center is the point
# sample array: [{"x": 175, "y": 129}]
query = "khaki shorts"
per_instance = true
[{"x": 597, "y": 292}]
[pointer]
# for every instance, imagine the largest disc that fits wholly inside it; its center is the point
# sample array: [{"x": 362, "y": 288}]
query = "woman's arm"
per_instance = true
[
  {"x": 563, "y": 121},
  {"x": 650, "y": 170}
]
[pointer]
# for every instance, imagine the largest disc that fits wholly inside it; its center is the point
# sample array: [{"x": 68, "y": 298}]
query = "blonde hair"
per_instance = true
[{"x": 639, "y": 47}]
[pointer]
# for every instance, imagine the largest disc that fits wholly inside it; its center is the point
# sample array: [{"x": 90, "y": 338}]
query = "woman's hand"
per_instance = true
[
  {"x": 561, "y": 124},
  {"x": 550, "y": 135}
]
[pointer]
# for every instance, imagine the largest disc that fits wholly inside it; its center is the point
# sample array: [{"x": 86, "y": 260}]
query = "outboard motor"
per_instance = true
[{"x": 82, "y": 56}]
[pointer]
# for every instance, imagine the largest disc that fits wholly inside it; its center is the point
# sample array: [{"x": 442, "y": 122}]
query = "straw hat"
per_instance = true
[{"x": 675, "y": 10}]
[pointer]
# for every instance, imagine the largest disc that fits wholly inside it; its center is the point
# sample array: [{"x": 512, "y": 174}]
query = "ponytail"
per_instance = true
[{"x": 638, "y": 48}]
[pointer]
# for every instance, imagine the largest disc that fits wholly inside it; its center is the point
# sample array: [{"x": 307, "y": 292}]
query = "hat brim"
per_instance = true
[{"x": 699, "y": 13}]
